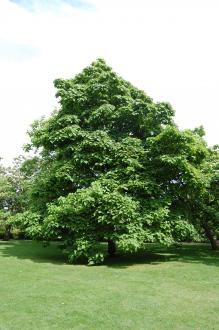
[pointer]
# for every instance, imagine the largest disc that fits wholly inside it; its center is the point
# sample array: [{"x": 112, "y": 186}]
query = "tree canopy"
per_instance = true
[{"x": 112, "y": 166}]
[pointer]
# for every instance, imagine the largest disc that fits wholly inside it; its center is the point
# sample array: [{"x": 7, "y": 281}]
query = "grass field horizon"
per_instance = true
[{"x": 159, "y": 288}]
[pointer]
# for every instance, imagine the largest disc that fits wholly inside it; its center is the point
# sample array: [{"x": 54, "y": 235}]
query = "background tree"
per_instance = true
[
  {"x": 187, "y": 170},
  {"x": 6, "y": 197},
  {"x": 12, "y": 199},
  {"x": 207, "y": 205}
]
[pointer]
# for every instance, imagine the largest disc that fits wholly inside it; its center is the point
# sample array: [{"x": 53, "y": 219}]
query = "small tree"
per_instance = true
[{"x": 12, "y": 200}]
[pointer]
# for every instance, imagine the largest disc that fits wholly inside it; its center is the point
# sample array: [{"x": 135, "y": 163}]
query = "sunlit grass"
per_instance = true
[{"x": 174, "y": 288}]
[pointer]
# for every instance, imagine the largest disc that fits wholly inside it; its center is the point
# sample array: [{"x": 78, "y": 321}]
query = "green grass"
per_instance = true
[{"x": 174, "y": 288}]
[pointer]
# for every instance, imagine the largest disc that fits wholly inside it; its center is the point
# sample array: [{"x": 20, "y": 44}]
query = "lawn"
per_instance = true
[{"x": 162, "y": 288}]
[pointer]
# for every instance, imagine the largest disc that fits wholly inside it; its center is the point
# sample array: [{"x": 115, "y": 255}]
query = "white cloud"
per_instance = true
[{"x": 168, "y": 48}]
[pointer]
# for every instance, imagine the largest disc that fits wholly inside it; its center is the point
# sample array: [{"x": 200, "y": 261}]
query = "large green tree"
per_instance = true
[{"x": 99, "y": 175}]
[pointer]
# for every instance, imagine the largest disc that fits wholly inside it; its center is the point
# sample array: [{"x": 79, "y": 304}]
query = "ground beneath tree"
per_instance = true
[{"x": 174, "y": 288}]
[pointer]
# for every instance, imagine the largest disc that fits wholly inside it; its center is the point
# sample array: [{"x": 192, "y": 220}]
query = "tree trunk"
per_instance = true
[
  {"x": 7, "y": 234},
  {"x": 210, "y": 236},
  {"x": 111, "y": 248}
]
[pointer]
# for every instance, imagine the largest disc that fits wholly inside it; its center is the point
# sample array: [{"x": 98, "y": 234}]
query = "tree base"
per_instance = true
[{"x": 111, "y": 248}]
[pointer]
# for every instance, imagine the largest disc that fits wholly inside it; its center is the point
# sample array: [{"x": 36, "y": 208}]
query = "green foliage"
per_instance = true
[
  {"x": 12, "y": 195},
  {"x": 188, "y": 172},
  {"x": 112, "y": 165},
  {"x": 29, "y": 222}
]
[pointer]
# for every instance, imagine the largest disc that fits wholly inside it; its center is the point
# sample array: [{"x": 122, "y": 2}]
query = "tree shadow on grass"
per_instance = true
[
  {"x": 33, "y": 251},
  {"x": 156, "y": 254},
  {"x": 153, "y": 254}
]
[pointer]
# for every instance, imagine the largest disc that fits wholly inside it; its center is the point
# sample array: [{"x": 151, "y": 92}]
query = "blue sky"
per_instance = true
[
  {"x": 11, "y": 51},
  {"x": 19, "y": 51},
  {"x": 48, "y": 4},
  {"x": 167, "y": 48}
]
